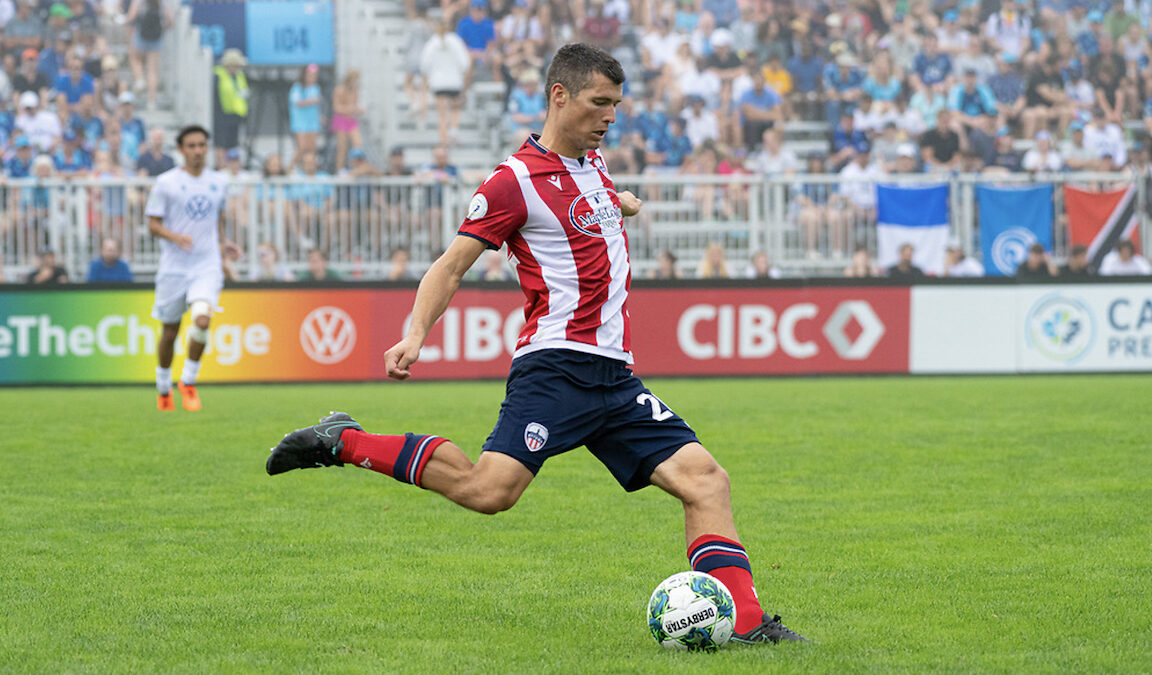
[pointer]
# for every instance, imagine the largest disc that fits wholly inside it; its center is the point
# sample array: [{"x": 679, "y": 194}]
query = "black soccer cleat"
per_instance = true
[
  {"x": 310, "y": 447},
  {"x": 769, "y": 630}
]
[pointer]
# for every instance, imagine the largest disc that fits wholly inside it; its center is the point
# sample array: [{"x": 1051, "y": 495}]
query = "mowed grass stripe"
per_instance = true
[{"x": 957, "y": 524}]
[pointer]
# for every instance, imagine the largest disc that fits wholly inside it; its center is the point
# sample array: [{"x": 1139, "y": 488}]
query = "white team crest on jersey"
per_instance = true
[
  {"x": 478, "y": 207},
  {"x": 596, "y": 213},
  {"x": 535, "y": 436}
]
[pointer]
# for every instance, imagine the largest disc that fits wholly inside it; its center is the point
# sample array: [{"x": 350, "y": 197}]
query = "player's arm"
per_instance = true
[
  {"x": 156, "y": 229},
  {"x": 436, "y": 290}
]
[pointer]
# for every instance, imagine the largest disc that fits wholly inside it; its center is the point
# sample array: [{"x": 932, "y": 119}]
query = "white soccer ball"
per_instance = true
[{"x": 692, "y": 611}]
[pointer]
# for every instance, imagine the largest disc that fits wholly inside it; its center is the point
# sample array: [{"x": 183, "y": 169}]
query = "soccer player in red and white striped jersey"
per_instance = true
[{"x": 555, "y": 207}]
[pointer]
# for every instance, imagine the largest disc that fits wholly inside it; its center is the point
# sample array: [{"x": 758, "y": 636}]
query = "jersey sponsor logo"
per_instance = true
[
  {"x": 596, "y": 213},
  {"x": 535, "y": 436},
  {"x": 478, "y": 207},
  {"x": 328, "y": 335},
  {"x": 198, "y": 207}
]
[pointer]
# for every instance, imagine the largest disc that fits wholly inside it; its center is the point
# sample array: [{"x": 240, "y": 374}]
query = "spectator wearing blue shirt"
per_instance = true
[
  {"x": 132, "y": 131},
  {"x": 652, "y": 122},
  {"x": 671, "y": 149},
  {"x": 760, "y": 109},
  {"x": 1008, "y": 89},
  {"x": 51, "y": 61},
  {"x": 86, "y": 124},
  {"x": 807, "y": 71},
  {"x": 19, "y": 165},
  {"x": 846, "y": 141},
  {"x": 726, "y": 12},
  {"x": 843, "y": 83},
  {"x": 882, "y": 84},
  {"x": 527, "y": 107},
  {"x": 931, "y": 65},
  {"x": 972, "y": 100},
  {"x": 74, "y": 84},
  {"x": 70, "y": 158},
  {"x": 478, "y": 32},
  {"x": 304, "y": 103},
  {"x": 109, "y": 267}
]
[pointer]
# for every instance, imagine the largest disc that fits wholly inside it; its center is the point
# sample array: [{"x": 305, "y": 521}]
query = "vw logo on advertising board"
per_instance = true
[
  {"x": 1061, "y": 328},
  {"x": 328, "y": 335}
]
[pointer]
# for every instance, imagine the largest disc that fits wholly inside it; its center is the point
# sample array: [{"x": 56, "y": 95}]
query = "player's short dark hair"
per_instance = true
[
  {"x": 575, "y": 64},
  {"x": 191, "y": 129}
]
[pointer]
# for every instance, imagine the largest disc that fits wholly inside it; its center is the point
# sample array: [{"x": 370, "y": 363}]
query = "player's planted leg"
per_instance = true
[
  {"x": 694, "y": 477},
  {"x": 165, "y": 349},
  {"x": 197, "y": 340}
]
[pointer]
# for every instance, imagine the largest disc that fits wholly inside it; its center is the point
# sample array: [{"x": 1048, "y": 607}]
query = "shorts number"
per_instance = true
[{"x": 660, "y": 412}]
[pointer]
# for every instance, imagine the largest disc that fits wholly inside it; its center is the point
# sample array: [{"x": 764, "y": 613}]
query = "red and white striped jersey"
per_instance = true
[{"x": 565, "y": 233}]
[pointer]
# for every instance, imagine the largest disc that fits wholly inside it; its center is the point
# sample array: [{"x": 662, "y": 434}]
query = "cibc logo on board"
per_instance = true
[{"x": 328, "y": 335}]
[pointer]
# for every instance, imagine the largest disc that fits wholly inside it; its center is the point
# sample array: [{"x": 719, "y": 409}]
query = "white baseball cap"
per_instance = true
[{"x": 29, "y": 99}]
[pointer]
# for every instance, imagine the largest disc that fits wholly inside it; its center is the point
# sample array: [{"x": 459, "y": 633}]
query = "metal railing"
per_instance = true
[{"x": 808, "y": 224}]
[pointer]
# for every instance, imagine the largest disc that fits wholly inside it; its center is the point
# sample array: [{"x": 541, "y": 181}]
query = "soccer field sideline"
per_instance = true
[{"x": 967, "y": 524}]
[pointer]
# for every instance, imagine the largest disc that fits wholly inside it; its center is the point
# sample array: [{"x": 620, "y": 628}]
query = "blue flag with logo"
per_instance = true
[
  {"x": 1011, "y": 220},
  {"x": 916, "y": 215}
]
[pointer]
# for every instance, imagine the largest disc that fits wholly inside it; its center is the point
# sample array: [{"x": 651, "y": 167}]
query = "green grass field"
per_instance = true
[{"x": 966, "y": 524}]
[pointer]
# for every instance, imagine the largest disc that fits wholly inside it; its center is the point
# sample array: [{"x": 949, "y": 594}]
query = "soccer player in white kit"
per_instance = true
[{"x": 185, "y": 210}]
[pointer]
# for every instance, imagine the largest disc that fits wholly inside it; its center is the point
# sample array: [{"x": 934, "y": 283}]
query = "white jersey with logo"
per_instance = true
[
  {"x": 561, "y": 220},
  {"x": 189, "y": 205}
]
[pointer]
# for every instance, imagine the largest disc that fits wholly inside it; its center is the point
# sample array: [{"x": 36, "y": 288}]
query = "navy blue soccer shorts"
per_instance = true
[{"x": 559, "y": 399}]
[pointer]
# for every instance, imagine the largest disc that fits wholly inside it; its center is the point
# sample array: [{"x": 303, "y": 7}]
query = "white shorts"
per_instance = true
[{"x": 174, "y": 292}]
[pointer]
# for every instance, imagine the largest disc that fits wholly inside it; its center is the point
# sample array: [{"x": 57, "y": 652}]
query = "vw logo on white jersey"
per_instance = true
[
  {"x": 198, "y": 207},
  {"x": 596, "y": 213},
  {"x": 535, "y": 436},
  {"x": 328, "y": 335}
]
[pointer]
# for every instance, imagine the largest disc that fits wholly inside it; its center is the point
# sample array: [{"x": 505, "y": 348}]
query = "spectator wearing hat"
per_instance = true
[
  {"x": 229, "y": 102},
  {"x": 1037, "y": 266},
  {"x": 843, "y": 83},
  {"x": 700, "y": 124},
  {"x": 304, "y": 107},
  {"x": 153, "y": 160},
  {"x": 1043, "y": 157},
  {"x": 1045, "y": 100},
  {"x": 527, "y": 107},
  {"x": 19, "y": 165},
  {"x": 109, "y": 267},
  {"x": 29, "y": 78},
  {"x": 1088, "y": 41},
  {"x": 1007, "y": 88},
  {"x": 132, "y": 130},
  {"x": 447, "y": 68},
  {"x": 70, "y": 159},
  {"x": 149, "y": 19},
  {"x": 47, "y": 271},
  {"x": 971, "y": 101},
  {"x": 907, "y": 159},
  {"x": 23, "y": 31},
  {"x": 951, "y": 38},
  {"x": 725, "y": 63},
  {"x": 111, "y": 85},
  {"x": 41, "y": 126}
]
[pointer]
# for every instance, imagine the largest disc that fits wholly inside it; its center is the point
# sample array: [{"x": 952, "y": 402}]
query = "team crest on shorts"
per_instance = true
[{"x": 535, "y": 436}]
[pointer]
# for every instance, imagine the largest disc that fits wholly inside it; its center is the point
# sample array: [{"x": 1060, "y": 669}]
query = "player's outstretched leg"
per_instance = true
[
  {"x": 694, "y": 477},
  {"x": 310, "y": 447}
]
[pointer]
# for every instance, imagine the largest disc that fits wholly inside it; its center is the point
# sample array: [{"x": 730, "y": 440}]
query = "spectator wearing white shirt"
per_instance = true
[
  {"x": 40, "y": 126},
  {"x": 446, "y": 65},
  {"x": 958, "y": 264},
  {"x": 951, "y": 37},
  {"x": 772, "y": 159},
  {"x": 1043, "y": 157},
  {"x": 1009, "y": 29},
  {"x": 1106, "y": 138},
  {"x": 700, "y": 124},
  {"x": 1125, "y": 261},
  {"x": 867, "y": 117},
  {"x": 855, "y": 202}
]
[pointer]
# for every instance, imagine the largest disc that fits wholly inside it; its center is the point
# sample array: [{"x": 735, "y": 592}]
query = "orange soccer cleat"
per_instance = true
[
  {"x": 165, "y": 402},
  {"x": 188, "y": 397}
]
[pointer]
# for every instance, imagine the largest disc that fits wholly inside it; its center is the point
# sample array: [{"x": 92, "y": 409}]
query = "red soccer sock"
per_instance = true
[
  {"x": 402, "y": 457},
  {"x": 726, "y": 560}
]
